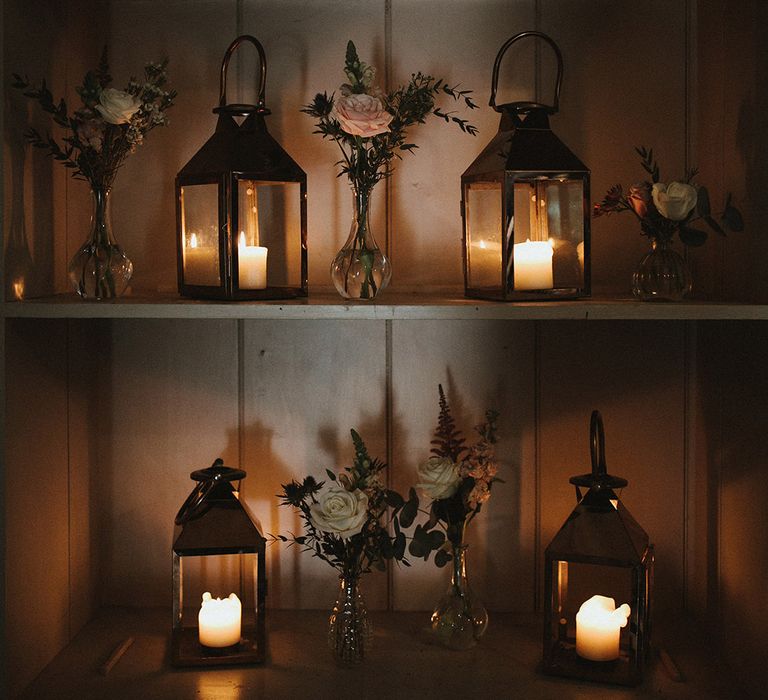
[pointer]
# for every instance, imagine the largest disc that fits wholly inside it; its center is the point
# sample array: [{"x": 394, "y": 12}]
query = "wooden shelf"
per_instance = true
[
  {"x": 403, "y": 663},
  {"x": 395, "y": 306}
]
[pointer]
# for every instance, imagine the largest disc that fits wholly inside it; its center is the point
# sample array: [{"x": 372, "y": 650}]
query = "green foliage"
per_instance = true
[
  {"x": 93, "y": 148},
  {"x": 367, "y": 160},
  {"x": 652, "y": 223},
  {"x": 374, "y": 545}
]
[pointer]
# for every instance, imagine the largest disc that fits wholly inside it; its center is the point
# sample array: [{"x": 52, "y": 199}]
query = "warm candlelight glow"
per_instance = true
[
  {"x": 598, "y": 626},
  {"x": 533, "y": 265},
  {"x": 219, "y": 621},
  {"x": 193, "y": 241},
  {"x": 201, "y": 262},
  {"x": 252, "y": 264}
]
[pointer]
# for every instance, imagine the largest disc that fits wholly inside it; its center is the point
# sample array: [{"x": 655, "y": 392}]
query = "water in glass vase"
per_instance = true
[
  {"x": 100, "y": 269},
  {"x": 360, "y": 270},
  {"x": 662, "y": 276}
]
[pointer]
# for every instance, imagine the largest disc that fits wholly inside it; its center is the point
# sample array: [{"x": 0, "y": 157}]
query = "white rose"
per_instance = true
[
  {"x": 116, "y": 106},
  {"x": 361, "y": 115},
  {"x": 439, "y": 477},
  {"x": 340, "y": 512},
  {"x": 675, "y": 200}
]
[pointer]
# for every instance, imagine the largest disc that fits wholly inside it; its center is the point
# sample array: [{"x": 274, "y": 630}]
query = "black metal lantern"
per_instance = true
[
  {"x": 597, "y": 583},
  {"x": 219, "y": 573},
  {"x": 241, "y": 208},
  {"x": 525, "y": 206}
]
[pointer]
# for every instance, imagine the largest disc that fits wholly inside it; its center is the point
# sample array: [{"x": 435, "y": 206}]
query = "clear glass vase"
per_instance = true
[
  {"x": 350, "y": 633},
  {"x": 662, "y": 276},
  {"x": 360, "y": 270},
  {"x": 100, "y": 269},
  {"x": 460, "y": 618}
]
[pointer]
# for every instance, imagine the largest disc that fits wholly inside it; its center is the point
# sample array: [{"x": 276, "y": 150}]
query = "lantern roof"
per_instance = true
[
  {"x": 213, "y": 520},
  {"x": 600, "y": 530},
  {"x": 246, "y": 149},
  {"x": 525, "y": 143}
]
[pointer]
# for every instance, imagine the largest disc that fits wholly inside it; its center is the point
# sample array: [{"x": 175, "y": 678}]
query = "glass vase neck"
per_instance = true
[{"x": 101, "y": 223}]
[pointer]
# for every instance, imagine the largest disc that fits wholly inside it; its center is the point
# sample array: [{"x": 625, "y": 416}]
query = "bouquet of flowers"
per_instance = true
[
  {"x": 344, "y": 521},
  {"x": 458, "y": 480},
  {"x": 663, "y": 209},
  {"x": 369, "y": 127},
  {"x": 345, "y": 525},
  {"x": 109, "y": 124}
]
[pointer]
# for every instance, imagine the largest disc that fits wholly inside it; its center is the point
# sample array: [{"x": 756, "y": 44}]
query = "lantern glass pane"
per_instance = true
[
  {"x": 200, "y": 234},
  {"x": 482, "y": 202},
  {"x": 269, "y": 234},
  {"x": 548, "y": 233}
]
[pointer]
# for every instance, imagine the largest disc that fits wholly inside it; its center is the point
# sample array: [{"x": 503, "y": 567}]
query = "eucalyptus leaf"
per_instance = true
[
  {"x": 394, "y": 499},
  {"x": 714, "y": 225},
  {"x": 733, "y": 219},
  {"x": 442, "y": 558},
  {"x": 330, "y": 474},
  {"x": 702, "y": 202}
]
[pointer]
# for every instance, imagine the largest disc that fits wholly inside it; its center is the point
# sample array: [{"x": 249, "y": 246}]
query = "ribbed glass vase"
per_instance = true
[{"x": 350, "y": 633}]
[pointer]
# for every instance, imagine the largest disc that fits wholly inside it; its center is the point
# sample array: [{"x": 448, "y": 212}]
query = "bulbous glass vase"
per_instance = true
[
  {"x": 360, "y": 270},
  {"x": 662, "y": 276},
  {"x": 100, "y": 269},
  {"x": 459, "y": 619}
]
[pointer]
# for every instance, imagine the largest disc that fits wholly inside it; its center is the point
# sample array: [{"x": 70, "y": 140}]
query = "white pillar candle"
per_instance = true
[
  {"x": 219, "y": 621},
  {"x": 252, "y": 265},
  {"x": 598, "y": 626},
  {"x": 533, "y": 265},
  {"x": 201, "y": 263}
]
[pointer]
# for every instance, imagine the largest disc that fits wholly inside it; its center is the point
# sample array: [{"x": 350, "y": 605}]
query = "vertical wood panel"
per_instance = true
[
  {"x": 85, "y": 376},
  {"x": 305, "y": 385},
  {"x": 36, "y": 498},
  {"x": 305, "y": 43},
  {"x": 168, "y": 407},
  {"x": 481, "y": 365},
  {"x": 457, "y": 41},
  {"x": 618, "y": 94},
  {"x": 194, "y": 36},
  {"x": 633, "y": 373}
]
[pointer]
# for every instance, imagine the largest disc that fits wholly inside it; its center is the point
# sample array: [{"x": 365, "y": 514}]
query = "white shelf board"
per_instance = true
[
  {"x": 392, "y": 306},
  {"x": 403, "y": 663}
]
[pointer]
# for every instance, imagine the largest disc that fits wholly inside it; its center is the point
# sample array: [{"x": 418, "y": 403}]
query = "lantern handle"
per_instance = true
[
  {"x": 199, "y": 494},
  {"x": 528, "y": 105},
  {"x": 597, "y": 444},
  {"x": 225, "y": 65}
]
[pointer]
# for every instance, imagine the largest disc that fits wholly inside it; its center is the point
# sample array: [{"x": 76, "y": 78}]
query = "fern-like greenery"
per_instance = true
[{"x": 448, "y": 440}]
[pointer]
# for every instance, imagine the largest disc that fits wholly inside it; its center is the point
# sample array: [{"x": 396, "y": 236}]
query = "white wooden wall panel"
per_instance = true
[
  {"x": 36, "y": 498},
  {"x": 457, "y": 41},
  {"x": 633, "y": 374},
  {"x": 168, "y": 407},
  {"x": 480, "y": 365},
  {"x": 305, "y": 385}
]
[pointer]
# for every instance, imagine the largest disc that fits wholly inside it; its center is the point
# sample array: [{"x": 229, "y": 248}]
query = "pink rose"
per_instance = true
[
  {"x": 91, "y": 133},
  {"x": 361, "y": 115},
  {"x": 640, "y": 197}
]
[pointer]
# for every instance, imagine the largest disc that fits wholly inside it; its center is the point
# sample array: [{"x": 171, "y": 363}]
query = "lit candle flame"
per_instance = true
[
  {"x": 241, "y": 240},
  {"x": 193, "y": 241}
]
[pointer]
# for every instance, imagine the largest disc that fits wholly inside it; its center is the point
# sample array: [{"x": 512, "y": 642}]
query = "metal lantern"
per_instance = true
[
  {"x": 219, "y": 573},
  {"x": 525, "y": 206},
  {"x": 241, "y": 208},
  {"x": 597, "y": 583}
]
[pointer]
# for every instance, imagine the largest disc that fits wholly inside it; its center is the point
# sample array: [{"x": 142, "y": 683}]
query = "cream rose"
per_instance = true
[
  {"x": 675, "y": 200},
  {"x": 340, "y": 512},
  {"x": 439, "y": 477},
  {"x": 116, "y": 106},
  {"x": 361, "y": 115}
]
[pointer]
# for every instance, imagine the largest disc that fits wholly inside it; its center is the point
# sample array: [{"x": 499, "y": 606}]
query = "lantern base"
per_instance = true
[
  {"x": 220, "y": 293},
  {"x": 564, "y": 661},
  {"x": 186, "y": 649},
  {"x": 497, "y": 294}
]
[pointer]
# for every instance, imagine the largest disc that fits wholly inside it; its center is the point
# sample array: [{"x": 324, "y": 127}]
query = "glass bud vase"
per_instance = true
[
  {"x": 662, "y": 276},
  {"x": 360, "y": 270},
  {"x": 100, "y": 269},
  {"x": 459, "y": 619},
  {"x": 350, "y": 633}
]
